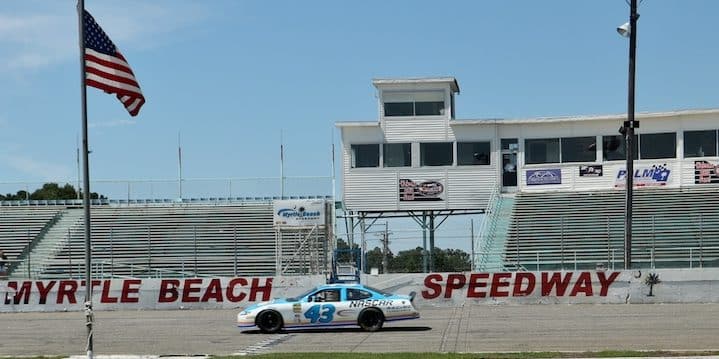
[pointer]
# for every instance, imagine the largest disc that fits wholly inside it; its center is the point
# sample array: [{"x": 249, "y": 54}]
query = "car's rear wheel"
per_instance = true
[
  {"x": 371, "y": 319},
  {"x": 269, "y": 321}
]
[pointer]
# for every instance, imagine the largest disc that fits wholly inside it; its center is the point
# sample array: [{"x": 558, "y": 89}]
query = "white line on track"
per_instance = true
[{"x": 262, "y": 346}]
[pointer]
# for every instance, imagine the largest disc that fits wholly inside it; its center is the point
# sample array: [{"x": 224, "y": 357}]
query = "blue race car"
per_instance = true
[{"x": 330, "y": 305}]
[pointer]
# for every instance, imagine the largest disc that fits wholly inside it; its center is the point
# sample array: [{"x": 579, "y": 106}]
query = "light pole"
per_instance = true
[{"x": 627, "y": 129}]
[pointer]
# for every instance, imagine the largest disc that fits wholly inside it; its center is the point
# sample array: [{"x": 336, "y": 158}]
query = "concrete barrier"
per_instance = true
[
  {"x": 434, "y": 289},
  {"x": 562, "y": 287}
]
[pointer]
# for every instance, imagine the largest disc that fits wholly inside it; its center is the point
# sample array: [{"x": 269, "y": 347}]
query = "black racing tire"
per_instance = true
[
  {"x": 269, "y": 321},
  {"x": 371, "y": 319}
]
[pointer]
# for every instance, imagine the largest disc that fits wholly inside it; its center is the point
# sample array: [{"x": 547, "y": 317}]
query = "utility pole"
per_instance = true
[
  {"x": 628, "y": 131},
  {"x": 385, "y": 250}
]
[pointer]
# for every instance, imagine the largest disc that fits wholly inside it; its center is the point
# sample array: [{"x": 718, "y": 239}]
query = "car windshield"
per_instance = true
[{"x": 297, "y": 298}]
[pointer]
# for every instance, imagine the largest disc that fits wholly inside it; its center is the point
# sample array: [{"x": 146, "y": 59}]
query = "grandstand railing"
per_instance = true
[
  {"x": 151, "y": 201},
  {"x": 491, "y": 214},
  {"x": 33, "y": 242},
  {"x": 613, "y": 258},
  {"x": 191, "y": 188}
]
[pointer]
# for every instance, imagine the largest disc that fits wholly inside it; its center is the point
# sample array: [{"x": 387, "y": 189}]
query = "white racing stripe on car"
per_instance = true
[{"x": 263, "y": 345}]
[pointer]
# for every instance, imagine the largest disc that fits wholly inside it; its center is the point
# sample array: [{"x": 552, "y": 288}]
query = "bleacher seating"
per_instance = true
[
  {"x": 671, "y": 228},
  {"x": 20, "y": 225},
  {"x": 173, "y": 240}
]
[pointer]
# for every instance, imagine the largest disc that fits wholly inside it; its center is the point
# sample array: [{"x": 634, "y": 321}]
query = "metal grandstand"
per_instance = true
[
  {"x": 157, "y": 238},
  {"x": 674, "y": 228}
]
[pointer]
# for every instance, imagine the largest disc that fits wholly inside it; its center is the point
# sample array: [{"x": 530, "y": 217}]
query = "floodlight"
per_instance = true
[{"x": 625, "y": 29}]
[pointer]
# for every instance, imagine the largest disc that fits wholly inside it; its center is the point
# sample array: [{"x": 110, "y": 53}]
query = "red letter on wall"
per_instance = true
[
  {"x": 130, "y": 286},
  {"x": 498, "y": 283},
  {"x": 265, "y": 289},
  {"x": 66, "y": 288},
  {"x": 454, "y": 281},
  {"x": 189, "y": 289},
  {"x": 106, "y": 298},
  {"x": 231, "y": 290},
  {"x": 430, "y": 282},
  {"x": 44, "y": 290},
  {"x": 214, "y": 290},
  {"x": 474, "y": 283},
  {"x": 521, "y": 277},
  {"x": 168, "y": 291}
]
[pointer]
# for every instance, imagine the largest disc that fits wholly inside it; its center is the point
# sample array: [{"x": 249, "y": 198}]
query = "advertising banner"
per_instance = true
[
  {"x": 705, "y": 172},
  {"x": 591, "y": 171},
  {"x": 298, "y": 213},
  {"x": 420, "y": 190},
  {"x": 542, "y": 177},
  {"x": 654, "y": 176}
]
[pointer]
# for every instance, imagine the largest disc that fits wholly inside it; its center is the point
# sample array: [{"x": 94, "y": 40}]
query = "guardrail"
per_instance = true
[{"x": 612, "y": 258}]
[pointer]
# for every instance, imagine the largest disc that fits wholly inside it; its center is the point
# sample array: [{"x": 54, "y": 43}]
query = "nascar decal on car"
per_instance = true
[
  {"x": 398, "y": 308},
  {"x": 370, "y": 303}
]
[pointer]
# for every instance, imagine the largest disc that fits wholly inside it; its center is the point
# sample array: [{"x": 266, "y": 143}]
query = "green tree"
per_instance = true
[
  {"x": 20, "y": 195},
  {"x": 408, "y": 261},
  {"x": 445, "y": 260},
  {"x": 49, "y": 191},
  {"x": 54, "y": 191},
  {"x": 374, "y": 259},
  {"x": 451, "y": 260},
  {"x": 343, "y": 253}
]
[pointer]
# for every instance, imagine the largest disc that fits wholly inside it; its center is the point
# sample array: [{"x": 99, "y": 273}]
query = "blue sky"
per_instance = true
[{"x": 232, "y": 75}]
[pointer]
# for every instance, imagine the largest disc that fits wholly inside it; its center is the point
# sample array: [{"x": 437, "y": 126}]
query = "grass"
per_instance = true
[{"x": 601, "y": 354}]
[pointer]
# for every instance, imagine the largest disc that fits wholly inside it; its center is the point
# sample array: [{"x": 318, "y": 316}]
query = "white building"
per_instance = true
[{"x": 418, "y": 156}]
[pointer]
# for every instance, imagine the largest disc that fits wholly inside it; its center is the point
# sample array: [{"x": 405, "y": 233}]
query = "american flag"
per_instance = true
[{"x": 107, "y": 69}]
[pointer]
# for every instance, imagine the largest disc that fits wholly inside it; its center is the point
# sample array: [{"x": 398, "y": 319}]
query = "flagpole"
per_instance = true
[
  {"x": 179, "y": 164},
  {"x": 85, "y": 182},
  {"x": 282, "y": 167},
  {"x": 77, "y": 157}
]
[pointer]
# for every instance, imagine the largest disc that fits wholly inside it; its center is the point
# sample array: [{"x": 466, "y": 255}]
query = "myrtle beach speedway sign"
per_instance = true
[
  {"x": 215, "y": 293},
  {"x": 434, "y": 289}
]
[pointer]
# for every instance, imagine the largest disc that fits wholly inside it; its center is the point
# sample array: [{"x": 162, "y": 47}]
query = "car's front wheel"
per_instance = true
[
  {"x": 269, "y": 321},
  {"x": 371, "y": 319}
]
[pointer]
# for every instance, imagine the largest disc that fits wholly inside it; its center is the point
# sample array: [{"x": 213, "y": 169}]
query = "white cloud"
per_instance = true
[
  {"x": 44, "y": 170},
  {"x": 43, "y": 34},
  {"x": 35, "y": 41},
  {"x": 109, "y": 124}
]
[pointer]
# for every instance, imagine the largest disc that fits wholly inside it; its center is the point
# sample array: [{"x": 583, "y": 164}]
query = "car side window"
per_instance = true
[
  {"x": 327, "y": 295},
  {"x": 357, "y": 294}
]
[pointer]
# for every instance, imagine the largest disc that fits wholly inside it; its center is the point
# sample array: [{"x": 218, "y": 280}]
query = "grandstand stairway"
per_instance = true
[
  {"x": 491, "y": 256},
  {"x": 49, "y": 244}
]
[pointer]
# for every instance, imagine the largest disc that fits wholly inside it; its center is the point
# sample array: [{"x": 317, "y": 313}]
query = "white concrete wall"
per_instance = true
[
  {"x": 434, "y": 289},
  {"x": 627, "y": 287}
]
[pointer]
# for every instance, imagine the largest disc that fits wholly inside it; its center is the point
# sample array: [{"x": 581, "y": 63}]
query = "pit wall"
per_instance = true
[{"x": 434, "y": 289}]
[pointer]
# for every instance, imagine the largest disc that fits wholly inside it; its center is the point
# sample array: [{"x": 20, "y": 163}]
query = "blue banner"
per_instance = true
[{"x": 542, "y": 177}]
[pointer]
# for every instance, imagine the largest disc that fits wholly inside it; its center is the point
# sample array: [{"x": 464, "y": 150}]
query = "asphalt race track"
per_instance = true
[{"x": 487, "y": 328}]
